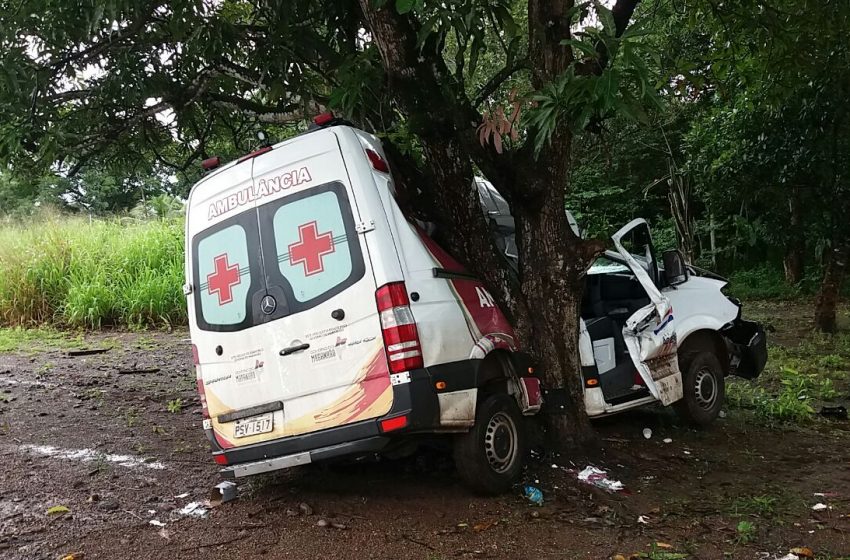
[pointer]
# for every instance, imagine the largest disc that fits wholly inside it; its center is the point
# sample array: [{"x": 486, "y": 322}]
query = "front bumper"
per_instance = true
[{"x": 748, "y": 350}]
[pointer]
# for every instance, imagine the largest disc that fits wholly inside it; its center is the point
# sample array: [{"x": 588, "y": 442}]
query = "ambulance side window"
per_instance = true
[{"x": 224, "y": 272}]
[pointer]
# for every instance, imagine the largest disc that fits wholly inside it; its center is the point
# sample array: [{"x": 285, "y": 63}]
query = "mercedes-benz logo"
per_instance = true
[{"x": 268, "y": 305}]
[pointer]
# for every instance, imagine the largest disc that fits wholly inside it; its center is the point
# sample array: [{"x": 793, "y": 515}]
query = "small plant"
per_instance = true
[
  {"x": 131, "y": 417},
  {"x": 746, "y": 532},
  {"x": 758, "y": 506},
  {"x": 175, "y": 405}
]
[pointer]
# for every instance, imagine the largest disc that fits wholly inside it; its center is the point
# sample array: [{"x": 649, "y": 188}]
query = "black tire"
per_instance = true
[
  {"x": 704, "y": 387},
  {"x": 489, "y": 458}
]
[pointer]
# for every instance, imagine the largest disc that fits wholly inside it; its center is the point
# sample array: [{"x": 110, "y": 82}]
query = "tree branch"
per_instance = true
[{"x": 498, "y": 79}]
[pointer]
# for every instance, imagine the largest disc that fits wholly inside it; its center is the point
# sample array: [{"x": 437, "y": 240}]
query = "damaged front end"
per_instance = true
[{"x": 747, "y": 345}]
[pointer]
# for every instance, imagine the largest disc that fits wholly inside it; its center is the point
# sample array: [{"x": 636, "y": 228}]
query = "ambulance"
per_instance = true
[{"x": 324, "y": 323}]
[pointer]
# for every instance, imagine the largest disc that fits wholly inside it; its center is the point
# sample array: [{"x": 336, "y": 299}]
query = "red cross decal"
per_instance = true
[
  {"x": 310, "y": 248},
  {"x": 222, "y": 280}
]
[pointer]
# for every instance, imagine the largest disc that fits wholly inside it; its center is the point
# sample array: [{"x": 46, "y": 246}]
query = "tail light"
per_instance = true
[
  {"x": 378, "y": 163},
  {"x": 401, "y": 339}
]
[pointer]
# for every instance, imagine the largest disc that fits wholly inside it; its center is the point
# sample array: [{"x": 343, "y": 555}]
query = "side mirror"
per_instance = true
[{"x": 675, "y": 271}]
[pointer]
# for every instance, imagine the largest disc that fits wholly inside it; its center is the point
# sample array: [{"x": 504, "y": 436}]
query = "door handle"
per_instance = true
[{"x": 293, "y": 349}]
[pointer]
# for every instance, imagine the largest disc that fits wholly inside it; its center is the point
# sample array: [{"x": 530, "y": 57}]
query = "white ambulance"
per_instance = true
[{"x": 324, "y": 323}]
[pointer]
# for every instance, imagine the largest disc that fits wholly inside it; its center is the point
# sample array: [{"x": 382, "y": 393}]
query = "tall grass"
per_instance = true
[{"x": 75, "y": 272}]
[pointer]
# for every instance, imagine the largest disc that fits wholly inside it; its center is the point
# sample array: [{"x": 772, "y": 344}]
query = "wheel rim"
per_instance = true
[
  {"x": 500, "y": 442},
  {"x": 705, "y": 386}
]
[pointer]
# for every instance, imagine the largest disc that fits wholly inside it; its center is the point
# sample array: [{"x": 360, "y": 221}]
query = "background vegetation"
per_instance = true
[{"x": 82, "y": 272}]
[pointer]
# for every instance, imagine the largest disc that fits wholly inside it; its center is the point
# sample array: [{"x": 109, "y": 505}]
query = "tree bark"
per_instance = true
[{"x": 835, "y": 267}]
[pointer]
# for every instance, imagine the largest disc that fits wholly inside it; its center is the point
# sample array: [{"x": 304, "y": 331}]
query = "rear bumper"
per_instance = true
[{"x": 368, "y": 445}]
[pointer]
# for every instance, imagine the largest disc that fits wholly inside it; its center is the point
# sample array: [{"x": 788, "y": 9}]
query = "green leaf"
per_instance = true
[
  {"x": 56, "y": 510},
  {"x": 606, "y": 16},
  {"x": 506, "y": 20},
  {"x": 582, "y": 46},
  {"x": 404, "y": 6}
]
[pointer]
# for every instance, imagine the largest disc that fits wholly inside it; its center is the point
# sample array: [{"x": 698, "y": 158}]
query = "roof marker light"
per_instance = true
[
  {"x": 211, "y": 163},
  {"x": 323, "y": 118}
]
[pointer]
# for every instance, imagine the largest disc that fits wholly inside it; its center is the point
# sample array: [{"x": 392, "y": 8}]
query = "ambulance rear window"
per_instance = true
[{"x": 301, "y": 250}]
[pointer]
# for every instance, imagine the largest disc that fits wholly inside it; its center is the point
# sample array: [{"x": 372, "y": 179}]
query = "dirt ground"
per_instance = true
[{"x": 77, "y": 434}]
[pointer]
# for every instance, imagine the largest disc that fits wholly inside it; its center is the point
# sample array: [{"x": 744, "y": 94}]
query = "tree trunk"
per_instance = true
[
  {"x": 794, "y": 260},
  {"x": 553, "y": 283},
  {"x": 835, "y": 266}
]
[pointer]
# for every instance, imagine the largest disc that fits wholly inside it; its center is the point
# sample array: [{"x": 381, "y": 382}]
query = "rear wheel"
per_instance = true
[
  {"x": 489, "y": 457},
  {"x": 704, "y": 388}
]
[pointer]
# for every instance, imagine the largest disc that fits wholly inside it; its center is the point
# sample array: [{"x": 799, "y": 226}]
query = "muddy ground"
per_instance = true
[{"x": 115, "y": 451}]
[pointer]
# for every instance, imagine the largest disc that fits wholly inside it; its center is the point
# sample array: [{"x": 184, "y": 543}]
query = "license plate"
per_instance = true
[{"x": 254, "y": 425}]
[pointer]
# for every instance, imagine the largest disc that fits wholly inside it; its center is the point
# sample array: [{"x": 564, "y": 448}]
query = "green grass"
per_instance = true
[
  {"x": 73, "y": 272},
  {"x": 798, "y": 379},
  {"x": 765, "y": 282},
  {"x": 18, "y": 339}
]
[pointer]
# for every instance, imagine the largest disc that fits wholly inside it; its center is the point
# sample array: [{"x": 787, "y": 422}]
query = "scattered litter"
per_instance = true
[
  {"x": 305, "y": 508},
  {"x": 647, "y": 433},
  {"x": 156, "y": 523},
  {"x": 837, "y": 412},
  {"x": 664, "y": 545},
  {"x": 57, "y": 510},
  {"x": 181, "y": 496},
  {"x": 643, "y": 520},
  {"x": 826, "y": 494},
  {"x": 73, "y": 556},
  {"x": 222, "y": 493},
  {"x": 803, "y": 552},
  {"x": 89, "y": 455},
  {"x": 686, "y": 452},
  {"x": 599, "y": 478},
  {"x": 194, "y": 509},
  {"x": 668, "y": 440},
  {"x": 722, "y": 414},
  {"x": 819, "y": 507},
  {"x": 789, "y": 556},
  {"x": 533, "y": 495}
]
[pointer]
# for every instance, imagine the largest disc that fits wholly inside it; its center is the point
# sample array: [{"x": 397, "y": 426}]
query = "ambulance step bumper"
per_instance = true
[{"x": 358, "y": 447}]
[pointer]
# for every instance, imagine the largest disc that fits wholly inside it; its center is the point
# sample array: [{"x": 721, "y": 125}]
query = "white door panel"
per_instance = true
[{"x": 650, "y": 333}]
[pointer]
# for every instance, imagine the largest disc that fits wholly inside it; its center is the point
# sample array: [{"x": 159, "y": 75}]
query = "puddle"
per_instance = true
[{"x": 90, "y": 455}]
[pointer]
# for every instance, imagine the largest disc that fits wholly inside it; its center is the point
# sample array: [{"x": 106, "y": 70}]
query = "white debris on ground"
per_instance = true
[
  {"x": 89, "y": 455},
  {"x": 819, "y": 507},
  {"x": 194, "y": 509},
  {"x": 599, "y": 478}
]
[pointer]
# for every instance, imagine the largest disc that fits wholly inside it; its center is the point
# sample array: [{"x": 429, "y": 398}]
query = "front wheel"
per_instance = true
[
  {"x": 489, "y": 457},
  {"x": 704, "y": 388}
]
